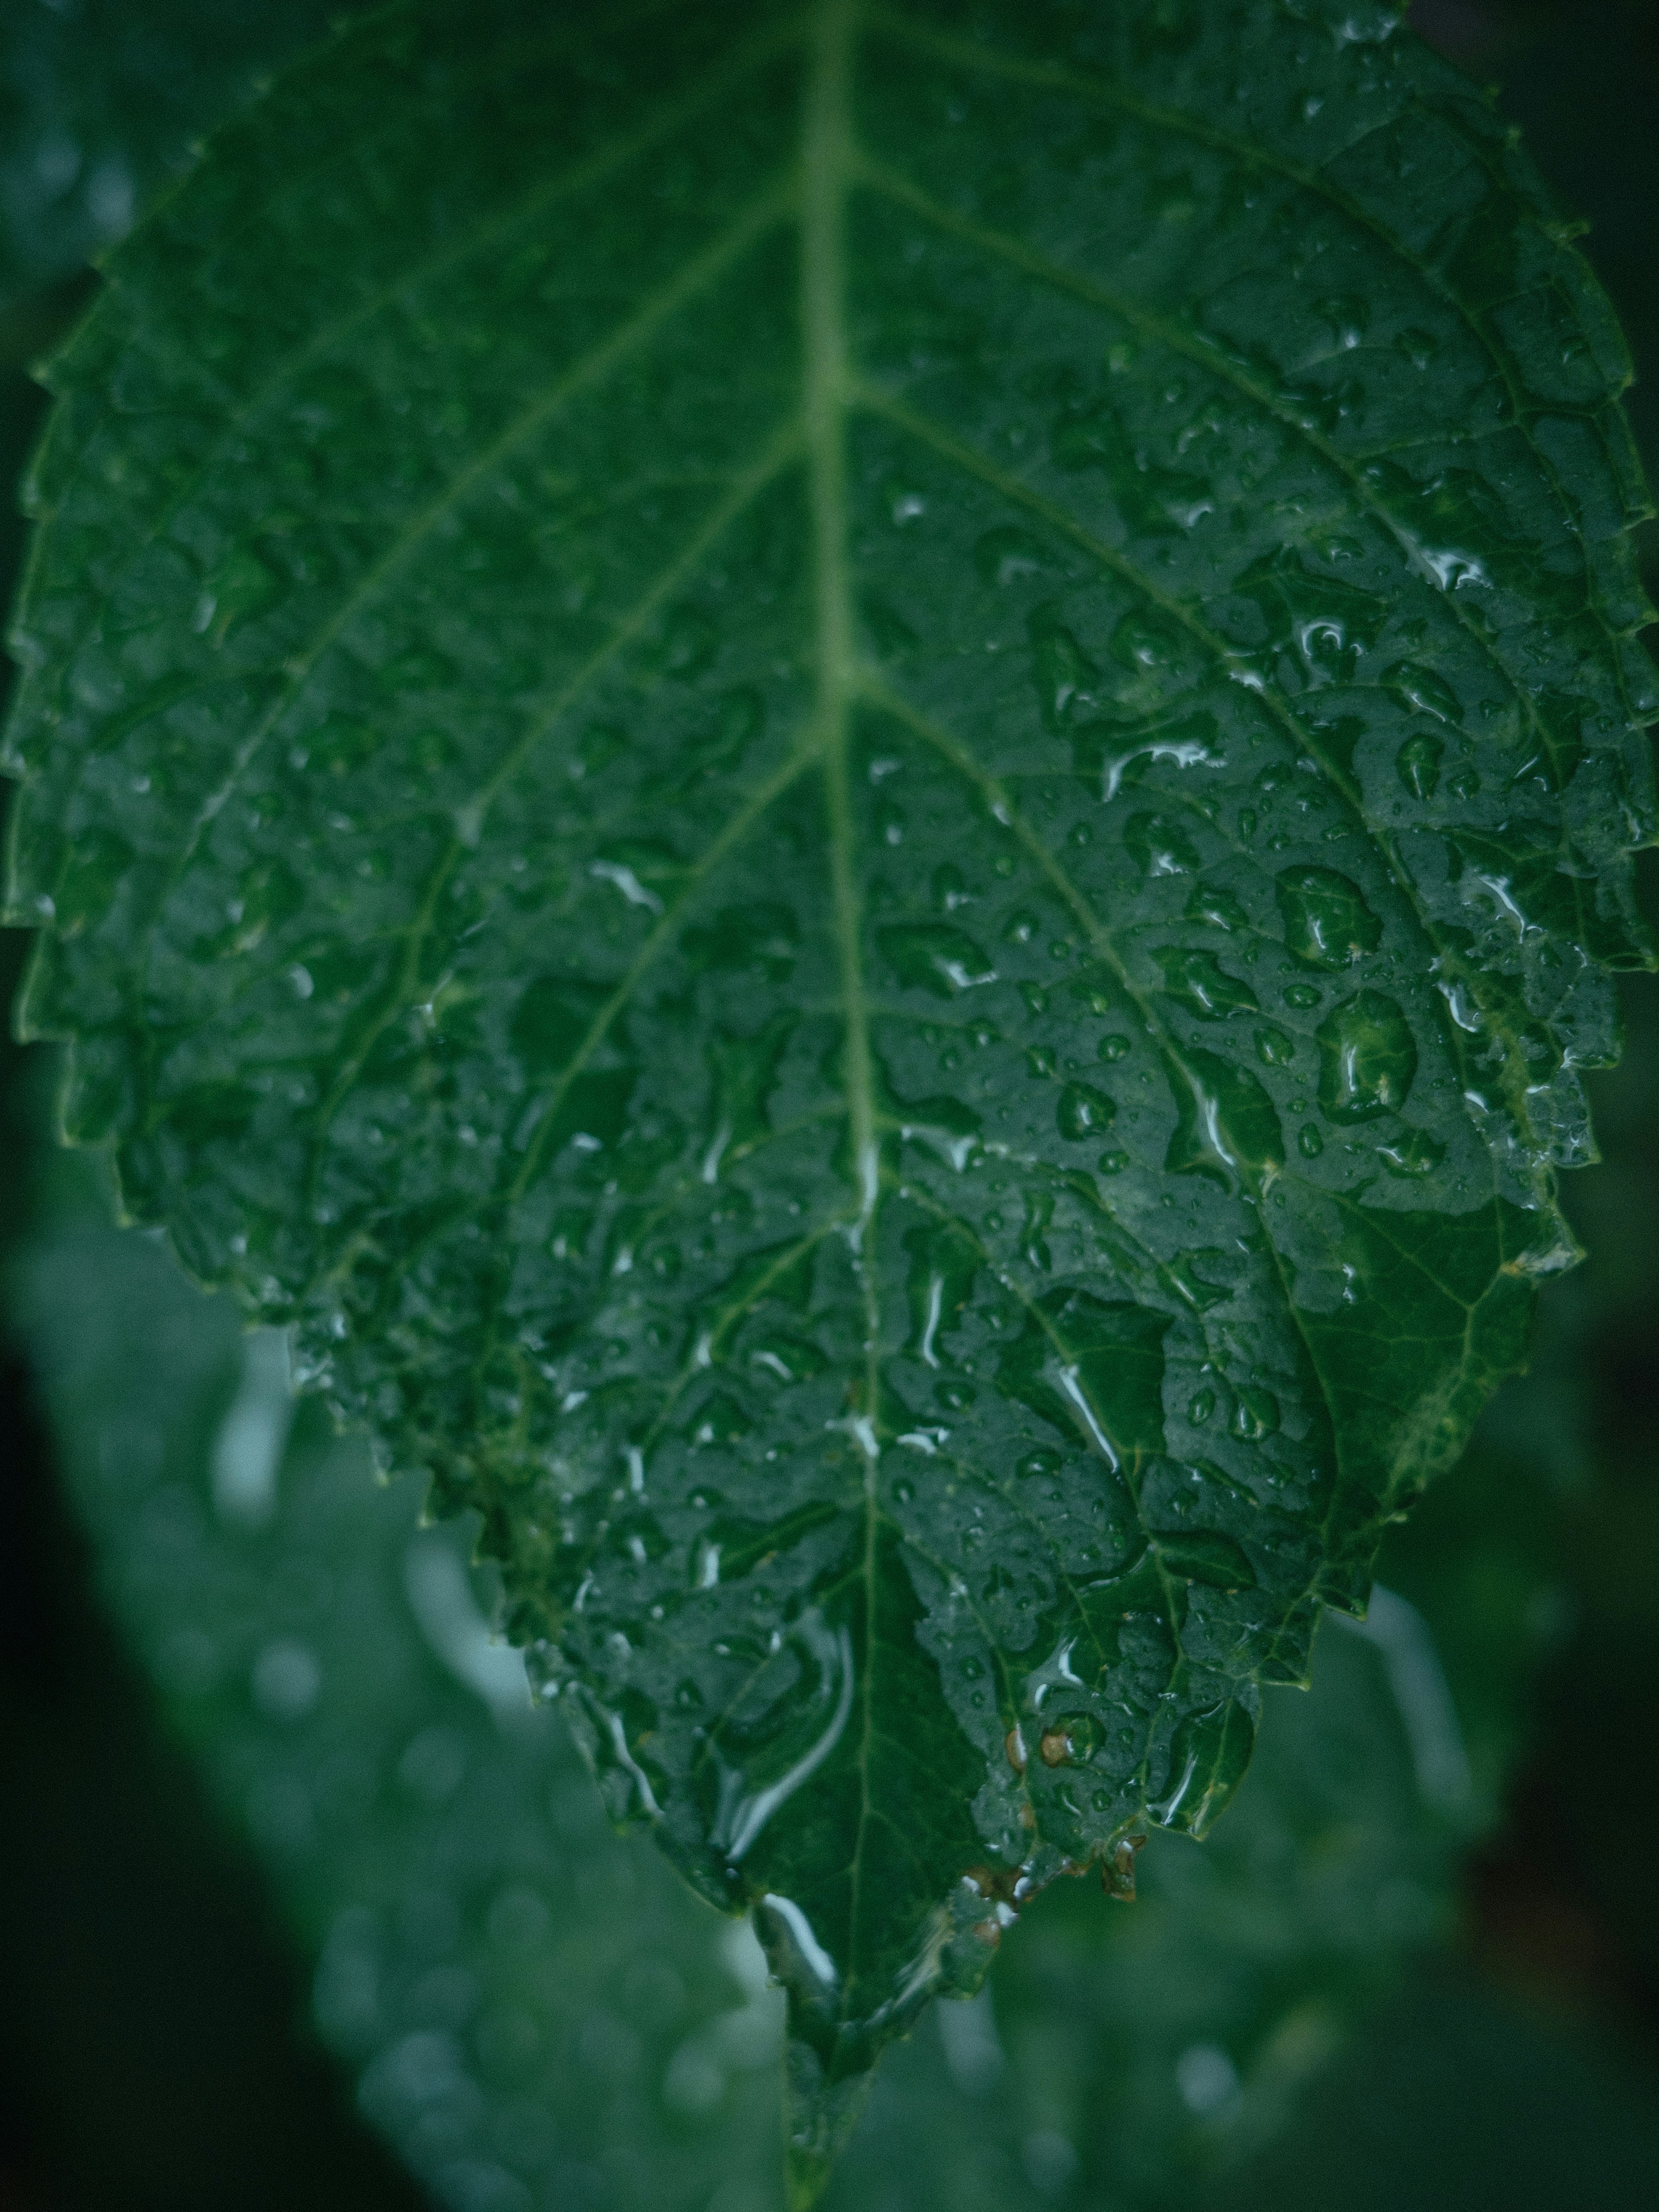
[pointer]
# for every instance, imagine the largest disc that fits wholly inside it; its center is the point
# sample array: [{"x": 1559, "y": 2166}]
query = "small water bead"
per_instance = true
[
  {"x": 1308, "y": 1142},
  {"x": 1201, "y": 1407},
  {"x": 1113, "y": 1163},
  {"x": 1464, "y": 785},
  {"x": 1114, "y": 1047},
  {"x": 1021, "y": 927},
  {"x": 1302, "y": 995}
]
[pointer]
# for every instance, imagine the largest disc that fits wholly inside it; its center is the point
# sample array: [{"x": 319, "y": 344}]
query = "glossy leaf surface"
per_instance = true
[{"x": 853, "y": 802}]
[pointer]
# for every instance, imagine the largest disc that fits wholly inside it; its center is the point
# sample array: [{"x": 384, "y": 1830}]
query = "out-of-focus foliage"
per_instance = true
[{"x": 101, "y": 102}]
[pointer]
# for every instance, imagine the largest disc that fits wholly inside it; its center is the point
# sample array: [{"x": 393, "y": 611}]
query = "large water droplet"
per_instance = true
[
  {"x": 1225, "y": 1121},
  {"x": 1093, "y": 1368},
  {"x": 1416, "y": 1153},
  {"x": 932, "y": 957},
  {"x": 1207, "y": 1759},
  {"x": 1218, "y": 909},
  {"x": 1255, "y": 1414},
  {"x": 1368, "y": 1058},
  {"x": 1326, "y": 920},
  {"x": 945, "y": 1257},
  {"x": 1418, "y": 765},
  {"x": 1162, "y": 846},
  {"x": 1084, "y": 1112},
  {"x": 1424, "y": 691},
  {"x": 1007, "y": 556},
  {"x": 1062, "y": 671},
  {"x": 1197, "y": 980}
]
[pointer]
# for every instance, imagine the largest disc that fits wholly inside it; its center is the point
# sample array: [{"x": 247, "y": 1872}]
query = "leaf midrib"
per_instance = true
[{"x": 826, "y": 392}]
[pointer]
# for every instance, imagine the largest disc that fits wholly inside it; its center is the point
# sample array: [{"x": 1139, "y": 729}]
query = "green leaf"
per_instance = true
[
  {"x": 850, "y": 787},
  {"x": 99, "y": 102}
]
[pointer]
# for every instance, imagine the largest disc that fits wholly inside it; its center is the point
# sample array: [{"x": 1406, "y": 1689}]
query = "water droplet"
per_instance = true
[
  {"x": 1302, "y": 995},
  {"x": 1368, "y": 1058},
  {"x": 1424, "y": 691},
  {"x": 242, "y": 587},
  {"x": 1308, "y": 1142},
  {"x": 1201, "y": 1407},
  {"x": 1273, "y": 1048},
  {"x": 949, "y": 889},
  {"x": 744, "y": 1074},
  {"x": 1143, "y": 642},
  {"x": 1062, "y": 671},
  {"x": 1205, "y": 1555},
  {"x": 1114, "y": 1047},
  {"x": 1117, "y": 1869},
  {"x": 931, "y": 956},
  {"x": 1256, "y": 1414},
  {"x": 1070, "y": 1740},
  {"x": 945, "y": 1257},
  {"x": 1218, "y": 909},
  {"x": 1326, "y": 920},
  {"x": 1093, "y": 1368},
  {"x": 1418, "y": 765},
  {"x": 1113, "y": 1163},
  {"x": 1082, "y": 1112},
  {"x": 1038, "y": 1463},
  {"x": 1207, "y": 1759},
  {"x": 1160, "y": 845},
  {"x": 1197, "y": 981},
  {"x": 1464, "y": 785},
  {"x": 1225, "y": 1121},
  {"x": 762, "y": 938},
  {"x": 1007, "y": 556},
  {"x": 1416, "y": 1153}
]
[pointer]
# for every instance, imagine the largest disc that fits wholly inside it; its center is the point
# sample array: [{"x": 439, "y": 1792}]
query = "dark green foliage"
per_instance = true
[
  {"x": 855, "y": 806},
  {"x": 100, "y": 102}
]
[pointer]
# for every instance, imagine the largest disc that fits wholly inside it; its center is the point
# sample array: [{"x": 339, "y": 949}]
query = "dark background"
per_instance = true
[{"x": 153, "y": 2049}]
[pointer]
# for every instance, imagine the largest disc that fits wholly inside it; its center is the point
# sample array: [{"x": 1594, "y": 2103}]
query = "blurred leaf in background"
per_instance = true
[
  {"x": 101, "y": 104},
  {"x": 1369, "y": 1984}
]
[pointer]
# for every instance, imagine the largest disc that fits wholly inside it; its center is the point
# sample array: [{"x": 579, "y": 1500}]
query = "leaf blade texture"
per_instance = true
[{"x": 857, "y": 811}]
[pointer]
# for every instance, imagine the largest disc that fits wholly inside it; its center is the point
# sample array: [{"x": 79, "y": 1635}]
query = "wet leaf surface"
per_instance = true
[{"x": 859, "y": 820}]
